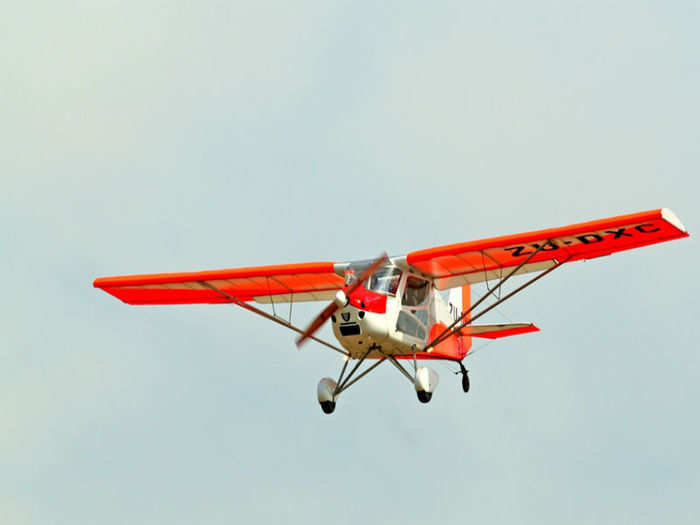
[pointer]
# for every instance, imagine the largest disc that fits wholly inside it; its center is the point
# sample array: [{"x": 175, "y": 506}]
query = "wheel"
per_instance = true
[
  {"x": 465, "y": 377},
  {"x": 465, "y": 382},
  {"x": 424, "y": 396},
  {"x": 328, "y": 407}
]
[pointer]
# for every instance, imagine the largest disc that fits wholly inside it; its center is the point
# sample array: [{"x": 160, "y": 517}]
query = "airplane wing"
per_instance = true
[
  {"x": 264, "y": 284},
  {"x": 449, "y": 266},
  {"x": 477, "y": 261}
]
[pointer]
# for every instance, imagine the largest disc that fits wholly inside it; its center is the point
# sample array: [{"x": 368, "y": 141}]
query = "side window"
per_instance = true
[
  {"x": 408, "y": 324},
  {"x": 415, "y": 299},
  {"x": 416, "y": 292}
]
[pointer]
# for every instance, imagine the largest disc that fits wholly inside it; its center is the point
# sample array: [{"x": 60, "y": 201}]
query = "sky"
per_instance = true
[{"x": 146, "y": 137}]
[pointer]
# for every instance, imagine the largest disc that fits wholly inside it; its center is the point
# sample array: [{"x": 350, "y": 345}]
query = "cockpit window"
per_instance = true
[
  {"x": 416, "y": 292},
  {"x": 385, "y": 281}
]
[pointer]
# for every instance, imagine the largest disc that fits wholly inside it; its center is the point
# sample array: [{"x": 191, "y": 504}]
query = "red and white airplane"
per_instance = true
[{"x": 393, "y": 308}]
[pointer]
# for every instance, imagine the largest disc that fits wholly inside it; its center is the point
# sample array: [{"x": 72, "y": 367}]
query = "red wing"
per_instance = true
[
  {"x": 477, "y": 261},
  {"x": 496, "y": 331},
  {"x": 285, "y": 283}
]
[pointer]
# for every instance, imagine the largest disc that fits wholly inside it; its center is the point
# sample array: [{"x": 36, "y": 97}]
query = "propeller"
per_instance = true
[{"x": 341, "y": 299}]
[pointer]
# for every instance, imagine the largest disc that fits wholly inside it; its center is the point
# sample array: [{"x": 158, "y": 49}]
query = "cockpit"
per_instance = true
[
  {"x": 412, "y": 304},
  {"x": 384, "y": 281}
]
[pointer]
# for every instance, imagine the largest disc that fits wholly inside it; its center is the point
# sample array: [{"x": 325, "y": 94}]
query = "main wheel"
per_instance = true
[
  {"x": 328, "y": 407},
  {"x": 424, "y": 396}
]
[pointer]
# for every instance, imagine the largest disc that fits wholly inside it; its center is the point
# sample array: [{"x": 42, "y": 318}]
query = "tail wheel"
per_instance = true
[{"x": 465, "y": 377}]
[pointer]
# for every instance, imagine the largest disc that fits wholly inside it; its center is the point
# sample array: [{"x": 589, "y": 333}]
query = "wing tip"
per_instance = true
[{"x": 673, "y": 219}]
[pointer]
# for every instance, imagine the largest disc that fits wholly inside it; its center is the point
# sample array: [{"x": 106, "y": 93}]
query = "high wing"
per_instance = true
[
  {"x": 264, "y": 284},
  {"x": 477, "y": 261},
  {"x": 448, "y": 266}
]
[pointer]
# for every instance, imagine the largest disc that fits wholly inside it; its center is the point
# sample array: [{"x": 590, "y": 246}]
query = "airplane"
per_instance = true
[{"x": 393, "y": 308}]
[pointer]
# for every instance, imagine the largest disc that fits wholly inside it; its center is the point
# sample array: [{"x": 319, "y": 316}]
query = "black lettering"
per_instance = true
[
  {"x": 589, "y": 238},
  {"x": 547, "y": 247},
  {"x": 517, "y": 251},
  {"x": 454, "y": 312},
  {"x": 619, "y": 233},
  {"x": 646, "y": 228}
]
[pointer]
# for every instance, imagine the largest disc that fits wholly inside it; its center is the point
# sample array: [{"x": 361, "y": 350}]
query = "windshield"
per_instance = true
[{"x": 385, "y": 281}]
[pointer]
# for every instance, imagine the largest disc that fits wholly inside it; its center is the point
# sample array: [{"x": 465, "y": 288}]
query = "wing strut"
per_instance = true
[
  {"x": 454, "y": 330},
  {"x": 264, "y": 314},
  {"x": 449, "y": 330}
]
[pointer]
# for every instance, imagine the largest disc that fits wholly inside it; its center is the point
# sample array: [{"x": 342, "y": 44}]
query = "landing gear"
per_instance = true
[
  {"x": 425, "y": 382},
  {"x": 328, "y": 390},
  {"x": 465, "y": 377},
  {"x": 424, "y": 396},
  {"x": 326, "y": 394},
  {"x": 328, "y": 407}
]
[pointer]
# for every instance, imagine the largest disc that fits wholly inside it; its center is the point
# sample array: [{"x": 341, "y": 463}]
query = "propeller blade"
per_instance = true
[
  {"x": 318, "y": 322},
  {"x": 338, "y": 301},
  {"x": 366, "y": 274}
]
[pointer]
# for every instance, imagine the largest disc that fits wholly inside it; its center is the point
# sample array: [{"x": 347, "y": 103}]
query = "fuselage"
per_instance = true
[{"x": 397, "y": 313}]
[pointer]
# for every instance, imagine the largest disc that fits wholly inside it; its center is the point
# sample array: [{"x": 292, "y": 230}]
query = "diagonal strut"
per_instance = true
[
  {"x": 264, "y": 314},
  {"x": 461, "y": 318},
  {"x": 452, "y": 330}
]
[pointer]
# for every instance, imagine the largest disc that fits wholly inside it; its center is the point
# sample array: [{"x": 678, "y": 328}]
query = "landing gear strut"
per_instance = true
[{"x": 329, "y": 390}]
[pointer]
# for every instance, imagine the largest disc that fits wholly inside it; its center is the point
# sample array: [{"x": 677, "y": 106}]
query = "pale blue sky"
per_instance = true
[{"x": 146, "y": 137}]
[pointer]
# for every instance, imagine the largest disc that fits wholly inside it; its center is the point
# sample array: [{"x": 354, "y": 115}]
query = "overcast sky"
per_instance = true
[{"x": 167, "y": 136}]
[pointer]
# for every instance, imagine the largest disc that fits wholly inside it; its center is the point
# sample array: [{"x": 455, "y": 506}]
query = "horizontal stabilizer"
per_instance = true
[{"x": 495, "y": 331}]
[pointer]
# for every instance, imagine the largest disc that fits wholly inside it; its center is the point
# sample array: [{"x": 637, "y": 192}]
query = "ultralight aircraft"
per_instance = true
[{"x": 393, "y": 308}]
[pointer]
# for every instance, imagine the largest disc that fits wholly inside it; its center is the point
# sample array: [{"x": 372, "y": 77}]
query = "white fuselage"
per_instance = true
[{"x": 403, "y": 327}]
